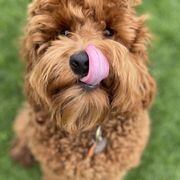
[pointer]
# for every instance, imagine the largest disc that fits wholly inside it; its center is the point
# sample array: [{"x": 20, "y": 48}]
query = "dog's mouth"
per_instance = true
[
  {"x": 88, "y": 87},
  {"x": 79, "y": 84}
]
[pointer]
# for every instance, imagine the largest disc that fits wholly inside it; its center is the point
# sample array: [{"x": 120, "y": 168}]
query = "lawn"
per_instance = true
[{"x": 161, "y": 160}]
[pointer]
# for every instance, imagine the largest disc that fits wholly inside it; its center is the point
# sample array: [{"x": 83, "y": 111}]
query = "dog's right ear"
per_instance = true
[
  {"x": 27, "y": 48},
  {"x": 35, "y": 39}
]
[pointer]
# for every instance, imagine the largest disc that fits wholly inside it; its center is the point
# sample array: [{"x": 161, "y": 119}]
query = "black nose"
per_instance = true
[{"x": 79, "y": 63}]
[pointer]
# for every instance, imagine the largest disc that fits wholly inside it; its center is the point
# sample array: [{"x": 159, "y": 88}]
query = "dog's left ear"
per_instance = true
[
  {"x": 146, "y": 85},
  {"x": 134, "y": 88}
]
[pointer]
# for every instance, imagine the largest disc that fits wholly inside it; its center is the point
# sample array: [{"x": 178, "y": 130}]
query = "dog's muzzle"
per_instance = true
[{"x": 90, "y": 65}]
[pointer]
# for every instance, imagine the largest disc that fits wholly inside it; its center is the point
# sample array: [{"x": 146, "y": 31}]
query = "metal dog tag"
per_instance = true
[
  {"x": 100, "y": 141},
  {"x": 100, "y": 146}
]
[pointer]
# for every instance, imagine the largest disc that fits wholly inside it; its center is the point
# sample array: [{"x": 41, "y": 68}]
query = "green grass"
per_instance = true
[{"x": 161, "y": 160}]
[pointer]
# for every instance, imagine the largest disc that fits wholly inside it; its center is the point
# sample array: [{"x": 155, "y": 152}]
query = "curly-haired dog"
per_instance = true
[{"x": 88, "y": 89}]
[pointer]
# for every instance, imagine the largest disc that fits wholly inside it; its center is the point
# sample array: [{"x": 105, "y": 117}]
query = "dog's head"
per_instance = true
[{"x": 60, "y": 39}]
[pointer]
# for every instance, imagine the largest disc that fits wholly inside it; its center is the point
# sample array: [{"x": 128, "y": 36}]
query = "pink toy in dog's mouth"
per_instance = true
[{"x": 98, "y": 66}]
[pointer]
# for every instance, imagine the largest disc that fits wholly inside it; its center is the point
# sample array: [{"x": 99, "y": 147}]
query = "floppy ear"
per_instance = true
[
  {"x": 38, "y": 31},
  {"x": 134, "y": 88}
]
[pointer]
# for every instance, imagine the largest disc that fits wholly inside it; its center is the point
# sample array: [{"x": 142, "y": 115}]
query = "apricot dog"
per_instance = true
[{"x": 88, "y": 89}]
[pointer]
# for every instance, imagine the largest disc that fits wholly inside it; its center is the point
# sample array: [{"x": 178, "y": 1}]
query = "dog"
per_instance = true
[{"x": 88, "y": 89}]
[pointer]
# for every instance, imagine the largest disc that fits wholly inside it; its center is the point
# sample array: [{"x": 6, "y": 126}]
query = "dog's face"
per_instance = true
[{"x": 55, "y": 47}]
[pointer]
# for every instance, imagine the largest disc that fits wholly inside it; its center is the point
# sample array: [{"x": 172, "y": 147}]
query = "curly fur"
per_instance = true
[{"x": 61, "y": 117}]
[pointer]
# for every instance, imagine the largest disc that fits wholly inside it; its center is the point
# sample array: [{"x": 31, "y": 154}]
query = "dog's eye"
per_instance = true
[
  {"x": 64, "y": 32},
  {"x": 108, "y": 32}
]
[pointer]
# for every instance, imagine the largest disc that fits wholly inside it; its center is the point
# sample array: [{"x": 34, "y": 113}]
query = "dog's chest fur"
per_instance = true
[{"x": 62, "y": 152}]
